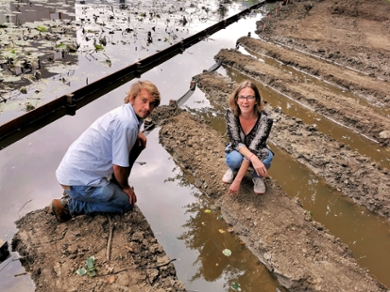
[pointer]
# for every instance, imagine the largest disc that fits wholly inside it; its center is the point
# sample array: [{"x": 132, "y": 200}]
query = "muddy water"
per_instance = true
[
  {"x": 366, "y": 234},
  {"x": 195, "y": 238},
  {"x": 174, "y": 209}
]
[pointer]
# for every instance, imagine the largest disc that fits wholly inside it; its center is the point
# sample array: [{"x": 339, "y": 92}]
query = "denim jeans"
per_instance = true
[
  {"x": 234, "y": 160},
  {"x": 108, "y": 199}
]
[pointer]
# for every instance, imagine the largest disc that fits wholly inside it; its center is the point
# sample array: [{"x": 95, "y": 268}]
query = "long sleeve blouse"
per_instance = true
[{"x": 255, "y": 140}]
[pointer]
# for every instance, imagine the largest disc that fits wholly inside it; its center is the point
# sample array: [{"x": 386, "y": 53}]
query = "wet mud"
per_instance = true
[{"x": 127, "y": 254}]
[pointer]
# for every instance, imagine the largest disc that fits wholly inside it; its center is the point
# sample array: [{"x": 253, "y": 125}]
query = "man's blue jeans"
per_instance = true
[
  {"x": 108, "y": 199},
  {"x": 234, "y": 160}
]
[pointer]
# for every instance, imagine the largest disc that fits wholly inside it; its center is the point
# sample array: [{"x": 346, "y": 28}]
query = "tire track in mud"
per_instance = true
[
  {"x": 300, "y": 252},
  {"x": 354, "y": 175},
  {"x": 343, "y": 110}
]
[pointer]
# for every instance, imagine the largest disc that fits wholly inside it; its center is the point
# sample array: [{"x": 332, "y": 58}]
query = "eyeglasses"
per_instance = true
[{"x": 249, "y": 97}]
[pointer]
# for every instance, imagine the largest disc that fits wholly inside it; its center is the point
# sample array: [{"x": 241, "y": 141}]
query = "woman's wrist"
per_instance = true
[{"x": 250, "y": 157}]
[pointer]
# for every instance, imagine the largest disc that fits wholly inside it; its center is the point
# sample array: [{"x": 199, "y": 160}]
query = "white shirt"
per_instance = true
[{"x": 108, "y": 141}]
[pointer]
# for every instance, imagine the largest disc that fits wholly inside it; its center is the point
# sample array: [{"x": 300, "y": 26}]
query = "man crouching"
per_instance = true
[{"x": 94, "y": 171}]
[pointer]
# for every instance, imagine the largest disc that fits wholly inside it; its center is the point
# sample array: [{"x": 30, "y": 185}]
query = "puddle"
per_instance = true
[
  {"x": 194, "y": 237},
  {"x": 366, "y": 234}
]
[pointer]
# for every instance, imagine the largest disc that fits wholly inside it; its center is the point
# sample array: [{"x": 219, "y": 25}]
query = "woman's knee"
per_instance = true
[
  {"x": 234, "y": 159},
  {"x": 268, "y": 161}
]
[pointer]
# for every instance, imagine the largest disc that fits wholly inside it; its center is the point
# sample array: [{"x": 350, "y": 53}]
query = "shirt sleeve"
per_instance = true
[
  {"x": 123, "y": 140},
  {"x": 233, "y": 130}
]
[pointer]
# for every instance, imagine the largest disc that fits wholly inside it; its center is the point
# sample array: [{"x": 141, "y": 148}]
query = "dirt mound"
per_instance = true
[
  {"x": 353, "y": 33},
  {"x": 127, "y": 255}
]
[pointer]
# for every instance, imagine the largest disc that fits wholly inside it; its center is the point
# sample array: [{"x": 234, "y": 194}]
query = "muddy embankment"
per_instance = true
[
  {"x": 353, "y": 33},
  {"x": 127, "y": 254},
  {"x": 299, "y": 251}
]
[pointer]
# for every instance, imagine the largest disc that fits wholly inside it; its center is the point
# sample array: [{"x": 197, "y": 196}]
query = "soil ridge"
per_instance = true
[{"x": 355, "y": 33}]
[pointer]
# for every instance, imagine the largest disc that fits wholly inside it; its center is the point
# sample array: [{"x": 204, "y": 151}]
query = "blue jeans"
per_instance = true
[
  {"x": 234, "y": 160},
  {"x": 108, "y": 199}
]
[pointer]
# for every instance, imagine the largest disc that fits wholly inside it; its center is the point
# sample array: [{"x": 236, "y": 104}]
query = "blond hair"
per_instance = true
[{"x": 137, "y": 87}]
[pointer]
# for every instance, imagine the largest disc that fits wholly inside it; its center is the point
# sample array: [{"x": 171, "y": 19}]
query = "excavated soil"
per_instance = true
[
  {"x": 342, "y": 42},
  {"x": 127, "y": 254}
]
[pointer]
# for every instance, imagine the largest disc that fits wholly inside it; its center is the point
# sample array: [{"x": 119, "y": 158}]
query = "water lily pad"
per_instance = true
[
  {"x": 61, "y": 46},
  {"x": 11, "y": 78},
  {"x": 99, "y": 47},
  {"x": 42, "y": 28}
]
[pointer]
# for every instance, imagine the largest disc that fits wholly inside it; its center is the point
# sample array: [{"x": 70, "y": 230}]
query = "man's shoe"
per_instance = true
[
  {"x": 60, "y": 211},
  {"x": 228, "y": 176},
  {"x": 258, "y": 185}
]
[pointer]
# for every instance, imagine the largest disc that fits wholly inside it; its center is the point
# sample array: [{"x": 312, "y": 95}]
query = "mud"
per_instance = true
[
  {"x": 345, "y": 43},
  {"x": 127, "y": 254}
]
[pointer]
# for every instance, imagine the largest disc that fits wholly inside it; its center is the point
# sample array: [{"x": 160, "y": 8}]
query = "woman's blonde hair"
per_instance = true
[
  {"x": 137, "y": 87},
  {"x": 232, "y": 102}
]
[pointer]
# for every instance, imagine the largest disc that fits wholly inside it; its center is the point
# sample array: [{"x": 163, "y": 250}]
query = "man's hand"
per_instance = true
[
  {"x": 132, "y": 197},
  {"x": 141, "y": 140}
]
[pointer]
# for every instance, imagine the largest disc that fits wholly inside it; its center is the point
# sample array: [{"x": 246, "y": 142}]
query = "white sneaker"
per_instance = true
[
  {"x": 259, "y": 186},
  {"x": 228, "y": 176}
]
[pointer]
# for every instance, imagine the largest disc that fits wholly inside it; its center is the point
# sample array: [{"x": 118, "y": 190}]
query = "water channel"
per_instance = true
[{"x": 175, "y": 208}]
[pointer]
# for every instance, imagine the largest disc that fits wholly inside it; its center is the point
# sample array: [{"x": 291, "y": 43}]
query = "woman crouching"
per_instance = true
[{"x": 248, "y": 127}]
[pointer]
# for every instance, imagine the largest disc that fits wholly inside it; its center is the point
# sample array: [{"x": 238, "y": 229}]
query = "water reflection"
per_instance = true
[{"x": 208, "y": 234}]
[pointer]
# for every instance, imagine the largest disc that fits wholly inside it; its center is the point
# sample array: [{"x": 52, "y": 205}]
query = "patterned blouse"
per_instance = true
[{"x": 255, "y": 141}]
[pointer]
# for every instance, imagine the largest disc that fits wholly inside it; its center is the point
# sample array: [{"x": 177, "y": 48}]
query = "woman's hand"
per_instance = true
[
  {"x": 234, "y": 188},
  {"x": 259, "y": 167}
]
